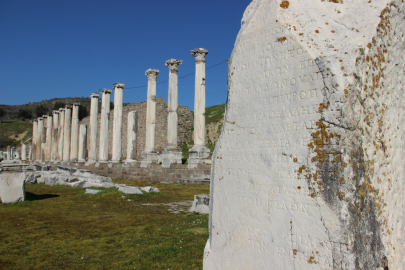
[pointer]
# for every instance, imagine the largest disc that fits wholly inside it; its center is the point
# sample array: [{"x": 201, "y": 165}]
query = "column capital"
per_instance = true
[
  {"x": 76, "y": 104},
  {"x": 45, "y": 116},
  {"x": 152, "y": 73},
  {"x": 173, "y": 64},
  {"x": 68, "y": 107},
  {"x": 35, "y": 120},
  {"x": 199, "y": 54},
  {"x": 106, "y": 91},
  {"x": 119, "y": 85},
  {"x": 40, "y": 119},
  {"x": 55, "y": 111},
  {"x": 61, "y": 109},
  {"x": 94, "y": 95}
]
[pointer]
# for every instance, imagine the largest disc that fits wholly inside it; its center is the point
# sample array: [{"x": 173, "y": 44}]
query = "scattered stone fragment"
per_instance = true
[
  {"x": 150, "y": 189},
  {"x": 201, "y": 204},
  {"x": 92, "y": 191},
  {"x": 130, "y": 190}
]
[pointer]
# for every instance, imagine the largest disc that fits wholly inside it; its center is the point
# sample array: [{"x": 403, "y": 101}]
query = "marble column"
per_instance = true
[
  {"x": 131, "y": 137},
  {"x": 82, "y": 143},
  {"x": 105, "y": 119},
  {"x": 39, "y": 138},
  {"x": 61, "y": 130},
  {"x": 172, "y": 153},
  {"x": 30, "y": 152},
  {"x": 34, "y": 138},
  {"x": 54, "y": 141},
  {"x": 49, "y": 128},
  {"x": 199, "y": 151},
  {"x": 150, "y": 155},
  {"x": 17, "y": 154},
  {"x": 12, "y": 153},
  {"x": 23, "y": 151},
  {"x": 93, "y": 127},
  {"x": 74, "y": 143},
  {"x": 117, "y": 125},
  {"x": 8, "y": 152},
  {"x": 66, "y": 133}
]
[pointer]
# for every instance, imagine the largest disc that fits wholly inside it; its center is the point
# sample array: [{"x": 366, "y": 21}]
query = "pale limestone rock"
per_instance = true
[
  {"x": 201, "y": 204},
  {"x": 92, "y": 191},
  {"x": 130, "y": 190},
  {"x": 308, "y": 172},
  {"x": 148, "y": 189}
]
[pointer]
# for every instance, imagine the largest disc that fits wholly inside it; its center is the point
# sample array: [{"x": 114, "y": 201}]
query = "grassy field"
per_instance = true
[{"x": 60, "y": 227}]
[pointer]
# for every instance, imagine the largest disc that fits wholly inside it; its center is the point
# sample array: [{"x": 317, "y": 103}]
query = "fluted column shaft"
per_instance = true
[
  {"x": 173, "y": 104},
  {"x": 67, "y": 133},
  {"x": 117, "y": 125},
  {"x": 199, "y": 98},
  {"x": 74, "y": 143},
  {"x": 39, "y": 138},
  {"x": 131, "y": 136},
  {"x": 49, "y": 128},
  {"x": 61, "y": 130},
  {"x": 34, "y": 138},
  {"x": 23, "y": 151},
  {"x": 54, "y": 141},
  {"x": 151, "y": 110},
  {"x": 82, "y": 143},
  {"x": 105, "y": 119},
  {"x": 93, "y": 127},
  {"x": 8, "y": 152}
]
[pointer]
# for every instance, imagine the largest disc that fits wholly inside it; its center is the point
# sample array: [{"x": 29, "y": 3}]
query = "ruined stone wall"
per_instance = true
[{"x": 185, "y": 125}]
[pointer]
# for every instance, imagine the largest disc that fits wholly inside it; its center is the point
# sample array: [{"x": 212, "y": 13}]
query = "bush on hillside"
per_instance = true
[
  {"x": 24, "y": 113},
  {"x": 58, "y": 104},
  {"x": 41, "y": 110}
]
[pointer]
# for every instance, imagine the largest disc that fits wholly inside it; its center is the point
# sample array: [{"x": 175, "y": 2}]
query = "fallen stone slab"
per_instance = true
[
  {"x": 130, "y": 190},
  {"x": 149, "y": 189},
  {"x": 12, "y": 187},
  {"x": 92, "y": 191},
  {"x": 201, "y": 204}
]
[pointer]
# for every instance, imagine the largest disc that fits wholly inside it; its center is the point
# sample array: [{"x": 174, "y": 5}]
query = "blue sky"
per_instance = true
[{"x": 73, "y": 48}]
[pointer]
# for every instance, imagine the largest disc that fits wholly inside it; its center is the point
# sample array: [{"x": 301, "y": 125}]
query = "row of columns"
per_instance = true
[{"x": 61, "y": 139}]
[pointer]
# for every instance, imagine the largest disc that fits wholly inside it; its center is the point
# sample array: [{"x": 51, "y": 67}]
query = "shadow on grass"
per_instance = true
[{"x": 34, "y": 197}]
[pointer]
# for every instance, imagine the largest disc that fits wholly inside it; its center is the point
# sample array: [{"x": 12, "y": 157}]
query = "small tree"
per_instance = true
[
  {"x": 82, "y": 112},
  {"x": 2, "y": 112},
  {"x": 41, "y": 110},
  {"x": 24, "y": 113},
  {"x": 58, "y": 104}
]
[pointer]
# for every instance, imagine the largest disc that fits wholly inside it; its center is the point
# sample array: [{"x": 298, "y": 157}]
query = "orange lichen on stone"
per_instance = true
[
  {"x": 285, "y": 4},
  {"x": 282, "y": 39}
]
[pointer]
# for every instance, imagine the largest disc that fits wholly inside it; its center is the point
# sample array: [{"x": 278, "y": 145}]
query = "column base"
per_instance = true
[
  {"x": 116, "y": 161},
  {"x": 130, "y": 161},
  {"x": 170, "y": 156},
  {"x": 197, "y": 155},
  {"x": 149, "y": 158},
  {"x": 103, "y": 161}
]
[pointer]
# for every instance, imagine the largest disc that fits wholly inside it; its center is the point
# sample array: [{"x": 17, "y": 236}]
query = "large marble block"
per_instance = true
[
  {"x": 12, "y": 187},
  {"x": 308, "y": 172}
]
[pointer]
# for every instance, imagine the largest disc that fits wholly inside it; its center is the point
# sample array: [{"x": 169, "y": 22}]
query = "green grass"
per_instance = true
[
  {"x": 9, "y": 129},
  {"x": 214, "y": 113},
  {"x": 60, "y": 227}
]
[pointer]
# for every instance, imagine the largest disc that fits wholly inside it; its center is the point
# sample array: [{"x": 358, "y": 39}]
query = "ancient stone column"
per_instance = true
[
  {"x": 8, "y": 152},
  {"x": 61, "y": 130},
  {"x": 34, "y": 138},
  {"x": 131, "y": 137},
  {"x": 17, "y": 154},
  {"x": 150, "y": 155},
  {"x": 117, "y": 125},
  {"x": 49, "y": 129},
  {"x": 23, "y": 151},
  {"x": 30, "y": 153},
  {"x": 93, "y": 127},
  {"x": 199, "y": 151},
  {"x": 66, "y": 133},
  {"x": 39, "y": 136},
  {"x": 54, "y": 141},
  {"x": 74, "y": 143},
  {"x": 172, "y": 153},
  {"x": 82, "y": 143},
  {"x": 12, "y": 153},
  {"x": 44, "y": 137},
  {"x": 105, "y": 119}
]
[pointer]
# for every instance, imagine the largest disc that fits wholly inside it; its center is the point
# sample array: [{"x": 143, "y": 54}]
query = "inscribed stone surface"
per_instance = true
[{"x": 308, "y": 171}]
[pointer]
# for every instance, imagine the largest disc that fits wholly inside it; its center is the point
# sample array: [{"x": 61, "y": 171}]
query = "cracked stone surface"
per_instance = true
[{"x": 308, "y": 172}]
